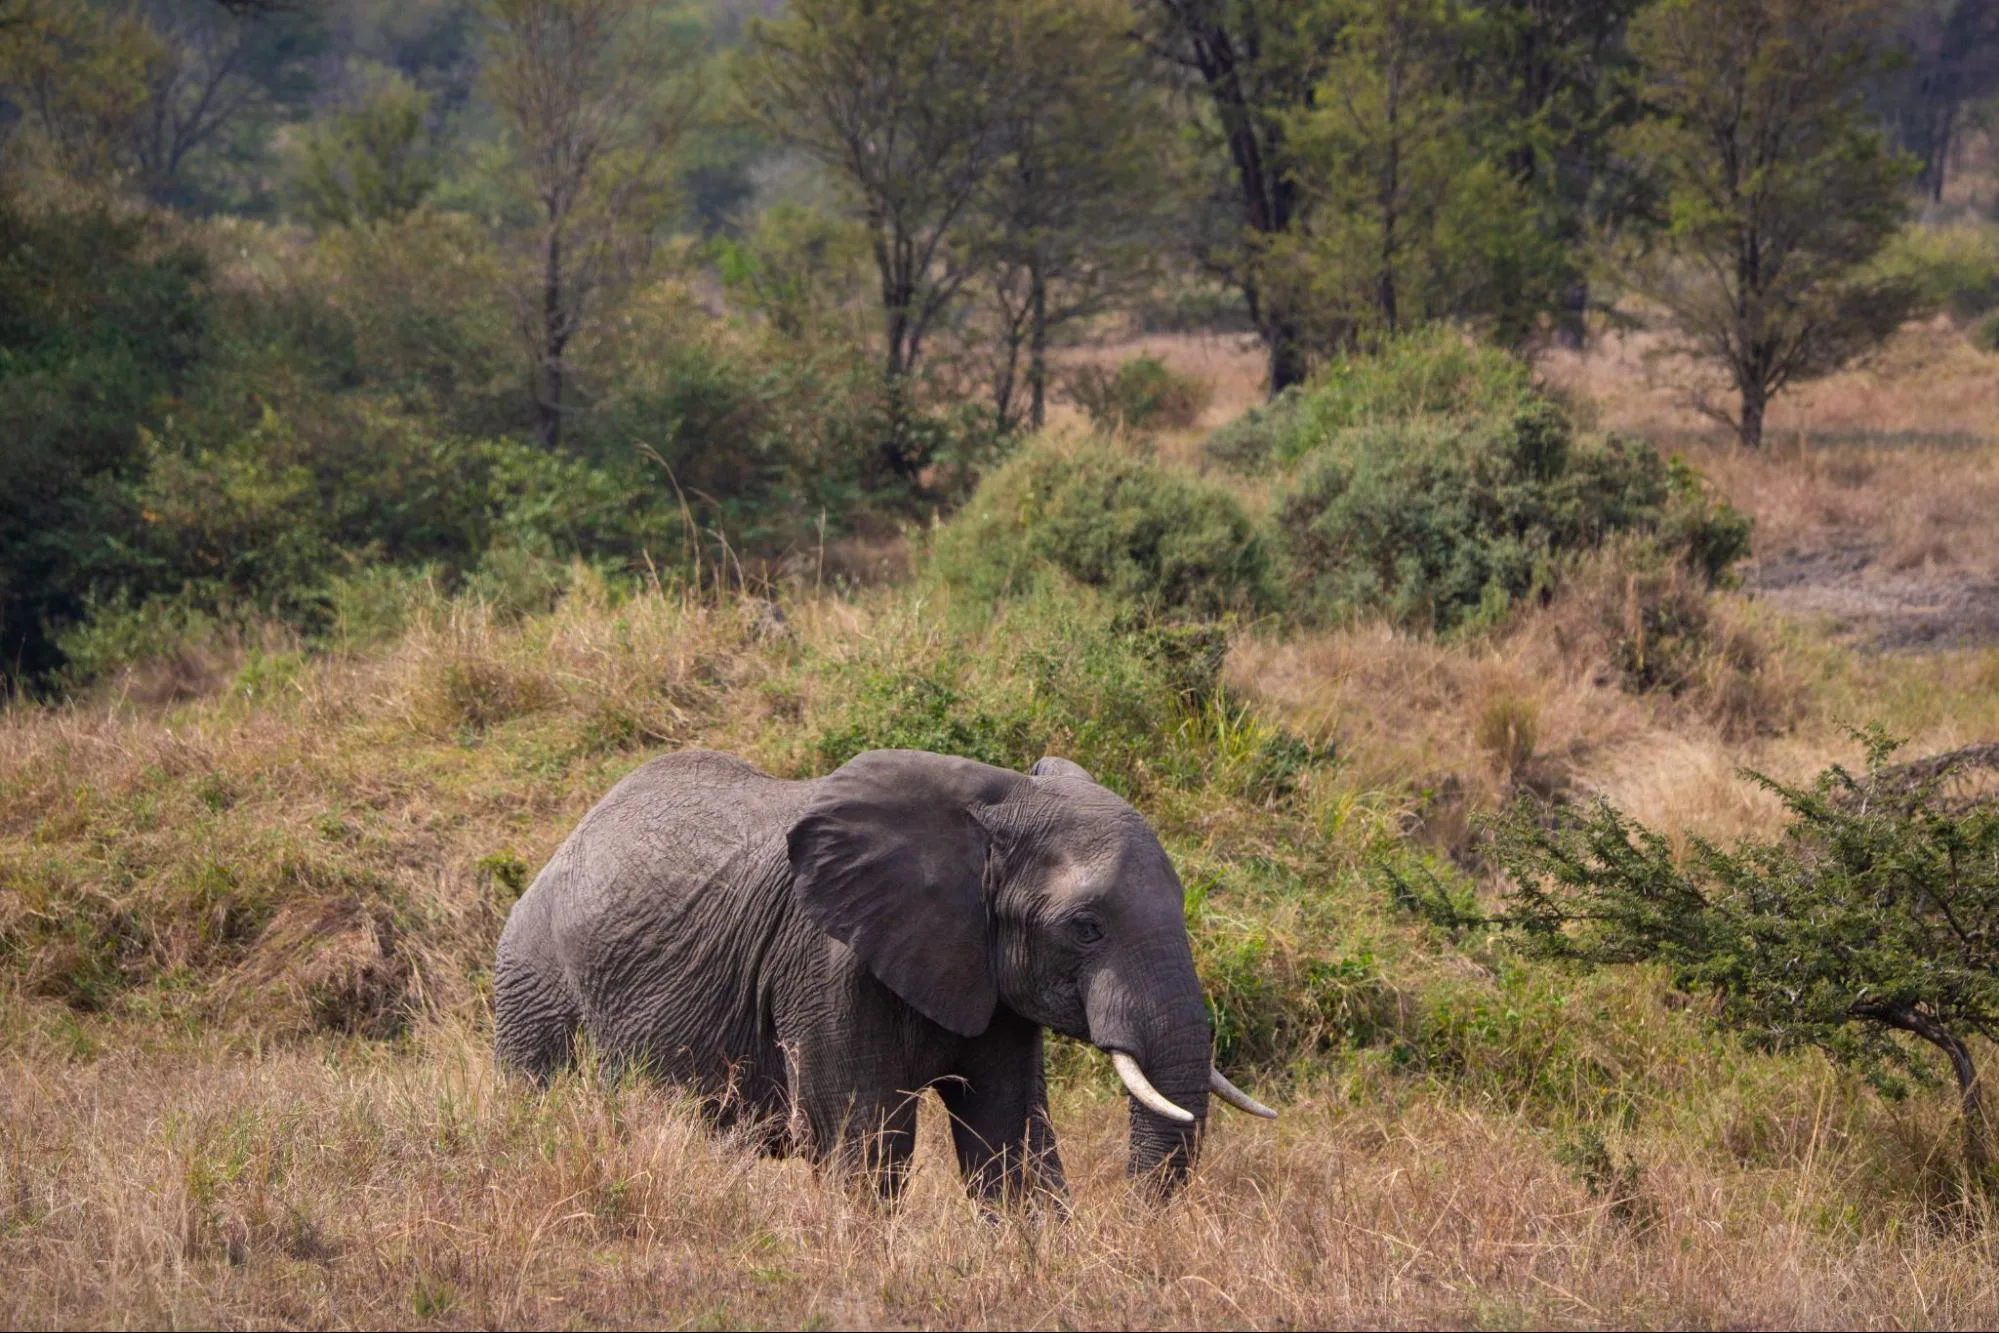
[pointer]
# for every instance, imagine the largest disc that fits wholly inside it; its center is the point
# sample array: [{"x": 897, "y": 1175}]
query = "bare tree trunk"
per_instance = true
[
  {"x": 554, "y": 340},
  {"x": 1287, "y": 355},
  {"x": 1970, "y": 1093},
  {"x": 1037, "y": 349},
  {"x": 1755, "y": 398},
  {"x": 1572, "y": 320}
]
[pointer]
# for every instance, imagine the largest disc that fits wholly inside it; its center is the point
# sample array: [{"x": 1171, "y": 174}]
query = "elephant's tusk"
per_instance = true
[
  {"x": 1140, "y": 1087},
  {"x": 1236, "y": 1097}
]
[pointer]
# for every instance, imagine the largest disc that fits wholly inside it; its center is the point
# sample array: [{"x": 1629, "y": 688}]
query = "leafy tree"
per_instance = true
[
  {"x": 1868, "y": 924},
  {"x": 78, "y": 76},
  {"x": 102, "y": 320},
  {"x": 596, "y": 92},
  {"x": 1258, "y": 66},
  {"x": 1776, "y": 190},
  {"x": 368, "y": 162},
  {"x": 1069, "y": 212},
  {"x": 144, "y": 90},
  {"x": 905, "y": 105},
  {"x": 1410, "y": 212},
  {"x": 1556, "y": 80}
]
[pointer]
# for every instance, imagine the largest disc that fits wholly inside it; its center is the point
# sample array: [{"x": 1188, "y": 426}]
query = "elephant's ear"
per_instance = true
[
  {"x": 890, "y": 859},
  {"x": 1053, "y": 766}
]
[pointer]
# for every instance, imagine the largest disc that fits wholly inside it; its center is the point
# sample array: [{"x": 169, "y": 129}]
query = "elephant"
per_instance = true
[{"x": 807, "y": 956}]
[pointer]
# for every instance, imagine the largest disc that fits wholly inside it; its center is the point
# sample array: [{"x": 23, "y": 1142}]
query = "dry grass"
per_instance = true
[
  {"x": 356, "y": 1188},
  {"x": 1927, "y": 384}
]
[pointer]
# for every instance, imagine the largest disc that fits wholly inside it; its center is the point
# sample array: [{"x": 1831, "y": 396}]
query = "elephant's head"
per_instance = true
[{"x": 965, "y": 887}]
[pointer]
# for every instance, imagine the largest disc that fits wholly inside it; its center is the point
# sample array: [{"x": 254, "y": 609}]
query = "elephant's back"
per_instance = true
[
  {"x": 669, "y": 829},
  {"x": 679, "y": 871}
]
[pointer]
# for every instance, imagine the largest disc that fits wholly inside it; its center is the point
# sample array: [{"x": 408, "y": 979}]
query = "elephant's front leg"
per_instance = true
[{"x": 998, "y": 1102}]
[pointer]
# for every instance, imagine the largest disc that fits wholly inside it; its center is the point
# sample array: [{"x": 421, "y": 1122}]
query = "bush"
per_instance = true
[
  {"x": 1441, "y": 522},
  {"x": 1985, "y": 335},
  {"x": 1254, "y": 441},
  {"x": 1162, "y": 542},
  {"x": 1058, "y": 672},
  {"x": 1954, "y": 269},
  {"x": 1430, "y": 373},
  {"x": 1142, "y": 394}
]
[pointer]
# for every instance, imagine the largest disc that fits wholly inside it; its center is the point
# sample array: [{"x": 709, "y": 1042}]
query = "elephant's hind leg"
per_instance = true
[{"x": 535, "y": 1019}]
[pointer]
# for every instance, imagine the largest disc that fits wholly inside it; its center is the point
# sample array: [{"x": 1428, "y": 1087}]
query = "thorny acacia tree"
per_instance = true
[
  {"x": 905, "y": 104},
  {"x": 1873, "y": 919},
  {"x": 597, "y": 93},
  {"x": 1777, "y": 191}
]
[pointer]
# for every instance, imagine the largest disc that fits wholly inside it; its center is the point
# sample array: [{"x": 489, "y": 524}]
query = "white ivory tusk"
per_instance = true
[
  {"x": 1236, "y": 1097},
  {"x": 1147, "y": 1095}
]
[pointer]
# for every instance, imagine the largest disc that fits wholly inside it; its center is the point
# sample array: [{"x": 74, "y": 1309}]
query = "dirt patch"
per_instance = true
[{"x": 1885, "y": 608}]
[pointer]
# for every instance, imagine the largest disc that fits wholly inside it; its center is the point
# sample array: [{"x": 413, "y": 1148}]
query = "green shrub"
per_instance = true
[
  {"x": 1433, "y": 372},
  {"x": 1254, "y": 441},
  {"x": 1442, "y": 522},
  {"x": 1954, "y": 269},
  {"x": 1056, "y": 672},
  {"x": 1162, "y": 542},
  {"x": 1985, "y": 334},
  {"x": 1142, "y": 394}
]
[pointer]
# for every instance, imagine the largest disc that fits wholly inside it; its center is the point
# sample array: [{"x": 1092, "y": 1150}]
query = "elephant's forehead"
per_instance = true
[
  {"x": 1084, "y": 819},
  {"x": 1086, "y": 849}
]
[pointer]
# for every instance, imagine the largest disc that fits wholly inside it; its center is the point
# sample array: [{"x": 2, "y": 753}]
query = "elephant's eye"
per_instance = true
[{"x": 1087, "y": 929}]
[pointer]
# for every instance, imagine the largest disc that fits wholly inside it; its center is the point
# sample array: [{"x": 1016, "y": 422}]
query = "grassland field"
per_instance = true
[{"x": 249, "y": 898}]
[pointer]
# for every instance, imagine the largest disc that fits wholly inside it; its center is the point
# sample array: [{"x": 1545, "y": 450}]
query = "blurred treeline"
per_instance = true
[{"x": 296, "y": 298}]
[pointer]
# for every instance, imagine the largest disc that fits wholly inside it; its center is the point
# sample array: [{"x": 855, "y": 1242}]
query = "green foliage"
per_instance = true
[
  {"x": 1954, "y": 269},
  {"x": 368, "y": 163},
  {"x": 1141, "y": 394},
  {"x": 1252, "y": 443},
  {"x": 1444, "y": 523},
  {"x": 1431, "y": 372},
  {"x": 1148, "y": 537},
  {"x": 1059, "y": 672},
  {"x": 1862, "y": 927},
  {"x": 415, "y": 314},
  {"x": 904, "y": 107},
  {"x": 103, "y": 319},
  {"x": 797, "y": 268},
  {"x": 1415, "y": 213},
  {"x": 1758, "y": 121}
]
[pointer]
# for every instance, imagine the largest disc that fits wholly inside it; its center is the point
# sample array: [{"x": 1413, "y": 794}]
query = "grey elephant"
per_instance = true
[{"x": 808, "y": 956}]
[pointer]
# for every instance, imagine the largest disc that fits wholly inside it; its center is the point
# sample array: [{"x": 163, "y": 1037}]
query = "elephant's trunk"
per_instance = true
[
  {"x": 1159, "y": 1034},
  {"x": 1164, "y": 1148}
]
